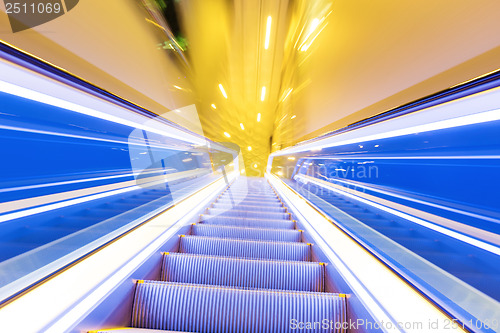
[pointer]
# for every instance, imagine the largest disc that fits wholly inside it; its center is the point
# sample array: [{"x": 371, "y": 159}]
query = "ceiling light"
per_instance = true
[
  {"x": 314, "y": 24},
  {"x": 213, "y": 106},
  {"x": 227, "y": 134},
  {"x": 242, "y": 127},
  {"x": 258, "y": 116},
  {"x": 263, "y": 94},
  {"x": 222, "y": 90},
  {"x": 287, "y": 94},
  {"x": 249, "y": 148},
  {"x": 291, "y": 158},
  {"x": 177, "y": 87},
  {"x": 293, "y": 117},
  {"x": 255, "y": 165},
  {"x": 268, "y": 32}
]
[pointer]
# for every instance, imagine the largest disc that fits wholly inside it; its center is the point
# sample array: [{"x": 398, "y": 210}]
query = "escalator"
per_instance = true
[
  {"x": 244, "y": 267},
  {"x": 475, "y": 266}
]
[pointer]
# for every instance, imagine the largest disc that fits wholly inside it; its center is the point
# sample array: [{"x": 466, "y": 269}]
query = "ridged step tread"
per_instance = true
[
  {"x": 133, "y": 330},
  {"x": 198, "y": 308},
  {"x": 253, "y": 223},
  {"x": 250, "y": 193},
  {"x": 254, "y": 208},
  {"x": 243, "y": 273},
  {"x": 248, "y": 249},
  {"x": 228, "y": 201},
  {"x": 248, "y": 214},
  {"x": 251, "y": 201},
  {"x": 224, "y": 231}
]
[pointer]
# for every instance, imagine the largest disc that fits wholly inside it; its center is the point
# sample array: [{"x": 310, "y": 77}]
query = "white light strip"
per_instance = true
[
  {"x": 73, "y": 136},
  {"x": 151, "y": 181},
  {"x": 268, "y": 32},
  {"x": 31, "y": 187},
  {"x": 463, "y": 212},
  {"x": 440, "y": 157},
  {"x": 478, "y": 108},
  {"x": 444, "y": 124},
  {"x": 263, "y": 94},
  {"x": 388, "y": 298},
  {"x": 57, "y": 305},
  {"x": 46, "y": 208},
  {"x": 469, "y": 240},
  {"x": 13, "y": 89}
]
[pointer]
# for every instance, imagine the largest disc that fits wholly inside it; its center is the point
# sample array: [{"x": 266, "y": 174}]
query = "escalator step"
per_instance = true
[
  {"x": 249, "y": 214},
  {"x": 250, "y": 200},
  {"x": 252, "y": 223},
  {"x": 245, "y": 248},
  {"x": 222, "y": 231},
  {"x": 243, "y": 273},
  {"x": 249, "y": 196},
  {"x": 228, "y": 201},
  {"x": 198, "y": 308},
  {"x": 254, "y": 208},
  {"x": 132, "y": 330}
]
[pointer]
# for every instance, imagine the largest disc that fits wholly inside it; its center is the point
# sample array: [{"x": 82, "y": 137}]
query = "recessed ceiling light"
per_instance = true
[
  {"x": 222, "y": 90},
  {"x": 268, "y": 32}
]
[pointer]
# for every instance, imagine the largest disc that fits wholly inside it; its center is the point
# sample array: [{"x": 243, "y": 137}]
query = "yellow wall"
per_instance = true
[
  {"x": 110, "y": 44},
  {"x": 376, "y": 55}
]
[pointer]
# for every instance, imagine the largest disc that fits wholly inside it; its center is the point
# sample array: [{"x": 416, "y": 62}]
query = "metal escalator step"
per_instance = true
[
  {"x": 254, "y": 208},
  {"x": 256, "y": 200},
  {"x": 266, "y": 203},
  {"x": 198, "y": 308},
  {"x": 250, "y": 192},
  {"x": 249, "y": 214},
  {"x": 223, "y": 231},
  {"x": 252, "y": 223},
  {"x": 133, "y": 330},
  {"x": 245, "y": 248},
  {"x": 243, "y": 273}
]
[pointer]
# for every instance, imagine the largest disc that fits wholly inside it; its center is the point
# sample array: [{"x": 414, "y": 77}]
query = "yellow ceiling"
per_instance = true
[
  {"x": 227, "y": 47},
  {"x": 329, "y": 63}
]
